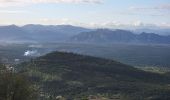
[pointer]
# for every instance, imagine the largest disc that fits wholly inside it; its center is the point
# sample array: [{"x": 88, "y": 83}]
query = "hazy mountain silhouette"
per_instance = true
[
  {"x": 39, "y": 33},
  {"x": 119, "y": 36},
  {"x": 68, "y": 33}
]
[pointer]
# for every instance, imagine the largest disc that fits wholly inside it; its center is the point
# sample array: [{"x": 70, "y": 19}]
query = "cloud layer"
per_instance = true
[
  {"x": 7, "y": 3},
  {"x": 159, "y": 7}
]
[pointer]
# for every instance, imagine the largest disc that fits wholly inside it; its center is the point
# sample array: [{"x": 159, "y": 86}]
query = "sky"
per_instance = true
[{"x": 88, "y": 13}]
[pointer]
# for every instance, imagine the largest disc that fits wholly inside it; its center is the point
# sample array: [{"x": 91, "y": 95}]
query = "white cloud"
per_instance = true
[
  {"x": 137, "y": 23},
  {"x": 107, "y": 24},
  {"x": 154, "y": 11},
  {"x": 159, "y": 7},
  {"x": 102, "y": 24},
  {"x": 165, "y": 24},
  {"x": 13, "y": 11},
  {"x": 8, "y": 3},
  {"x": 31, "y": 53},
  {"x": 123, "y": 25},
  {"x": 48, "y": 21}
]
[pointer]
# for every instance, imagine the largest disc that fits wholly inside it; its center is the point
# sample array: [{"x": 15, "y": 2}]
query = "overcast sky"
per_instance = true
[{"x": 92, "y": 13}]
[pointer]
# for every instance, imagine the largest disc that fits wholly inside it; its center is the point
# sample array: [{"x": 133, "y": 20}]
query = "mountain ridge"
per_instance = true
[
  {"x": 120, "y": 36},
  {"x": 69, "y": 33}
]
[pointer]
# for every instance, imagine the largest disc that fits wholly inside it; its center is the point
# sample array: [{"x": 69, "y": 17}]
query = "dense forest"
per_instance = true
[
  {"x": 75, "y": 77},
  {"x": 15, "y": 86}
]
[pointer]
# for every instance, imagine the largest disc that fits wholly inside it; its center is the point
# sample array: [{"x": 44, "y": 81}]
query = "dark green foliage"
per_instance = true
[
  {"x": 15, "y": 87},
  {"x": 76, "y": 76}
]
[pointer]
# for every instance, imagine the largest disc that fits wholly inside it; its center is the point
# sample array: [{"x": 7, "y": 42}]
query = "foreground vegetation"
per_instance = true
[
  {"x": 71, "y": 76},
  {"x": 14, "y": 86}
]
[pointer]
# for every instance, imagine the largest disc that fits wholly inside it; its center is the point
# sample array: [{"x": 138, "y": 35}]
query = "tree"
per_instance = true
[{"x": 14, "y": 86}]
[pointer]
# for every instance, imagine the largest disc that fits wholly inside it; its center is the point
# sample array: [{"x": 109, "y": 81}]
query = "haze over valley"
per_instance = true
[{"x": 84, "y": 50}]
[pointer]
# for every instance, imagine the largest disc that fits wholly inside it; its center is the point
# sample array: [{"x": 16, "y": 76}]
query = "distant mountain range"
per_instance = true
[
  {"x": 39, "y": 33},
  {"x": 120, "y": 36},
  {"x": 165, "y": 31},
  {"x": 68, "y": 33}
]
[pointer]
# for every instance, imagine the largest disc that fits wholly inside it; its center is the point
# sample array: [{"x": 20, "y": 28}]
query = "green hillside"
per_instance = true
[{"x": 77, "y": 76}]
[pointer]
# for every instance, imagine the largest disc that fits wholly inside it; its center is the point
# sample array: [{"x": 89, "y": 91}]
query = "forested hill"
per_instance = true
[{"x": 77, "y": 76}]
